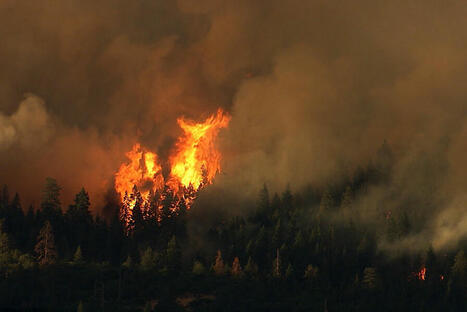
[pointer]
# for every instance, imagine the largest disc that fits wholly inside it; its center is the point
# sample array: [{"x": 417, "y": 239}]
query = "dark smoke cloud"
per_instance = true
[{"x": 314, "y": 88}]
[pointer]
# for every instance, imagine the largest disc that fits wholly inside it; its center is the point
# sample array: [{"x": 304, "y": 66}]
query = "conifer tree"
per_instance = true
[
  {"x": 289, "y": 271},
  {"x": 137, "y": 213},
  {"x": 198, "y": 268},
  {"x": 128, "y": 262},
  {"x": 347, "y": 199},
  {"x": 45, "y": 247},
  {"x": 148, "y": 259},
  {"x": 327, "y": 202},
  {"x": 311, "y": 272},
  {"x": 276, "y": 265},
  {"x": 369, "y": 277},
  {"x": 51, "y": 195},
  {"x": 173, "y": 254},
  {"x": 236, "y": 268},
  {"x": 4, "y": 240},
  {"x": 263, "y": 205},
  {"x": 218, "y": 265},
  {"x": 125, "y": 212},
  {"x": 78, "y": 256},
  {"x": 251, "y": 268},
  {"x": 80, "y": 307},
  {"x": 287, "y": 199},
  {"x": 5, "y": 199}
]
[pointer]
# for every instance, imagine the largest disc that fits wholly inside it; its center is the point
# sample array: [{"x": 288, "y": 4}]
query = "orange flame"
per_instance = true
[
  {"x": 142, "y": 171},
  {"x": 194, "y": 164},
  {"x": 422, "y": 274},
  {"x": 197, "y": 160}
]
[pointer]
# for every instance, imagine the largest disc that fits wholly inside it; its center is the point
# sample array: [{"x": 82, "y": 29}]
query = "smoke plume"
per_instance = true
[{"x": 313, "y": 88}]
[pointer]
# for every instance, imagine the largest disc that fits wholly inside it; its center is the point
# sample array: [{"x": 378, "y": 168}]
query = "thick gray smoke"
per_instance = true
[{"x": 313, "y": 87}]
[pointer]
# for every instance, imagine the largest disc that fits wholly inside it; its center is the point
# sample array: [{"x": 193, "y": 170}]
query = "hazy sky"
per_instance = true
[{"x": 313, "y": 87}]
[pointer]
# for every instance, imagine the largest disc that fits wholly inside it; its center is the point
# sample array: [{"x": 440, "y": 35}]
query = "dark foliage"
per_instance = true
[{"x": 285, "y": 255}]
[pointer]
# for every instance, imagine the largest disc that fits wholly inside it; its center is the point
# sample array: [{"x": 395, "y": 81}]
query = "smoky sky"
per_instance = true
[{"x": 313, "y": 88}]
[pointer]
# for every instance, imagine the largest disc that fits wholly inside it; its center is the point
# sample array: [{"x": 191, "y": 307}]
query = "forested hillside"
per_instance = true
[{"x": 288, "y": 253}]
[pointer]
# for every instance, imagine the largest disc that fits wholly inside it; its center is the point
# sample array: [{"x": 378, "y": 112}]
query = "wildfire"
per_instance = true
[
  {"x": 193, "y": 164},
  {"x": 142, "y": 171},
  {"x": 421, "y": 275},
  {"x": 197, "y": 160}
]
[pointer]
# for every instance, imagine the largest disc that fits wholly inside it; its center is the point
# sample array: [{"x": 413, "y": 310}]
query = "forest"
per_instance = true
[{"x": 286, "y": 253}]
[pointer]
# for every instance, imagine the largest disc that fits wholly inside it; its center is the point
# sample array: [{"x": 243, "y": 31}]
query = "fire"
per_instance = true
[
  {"x": 421, "y": 275},
  {"x": 193, "y": 164},
  {"x": 197, "y": 161},
  {"x": 142, "y": 171}
]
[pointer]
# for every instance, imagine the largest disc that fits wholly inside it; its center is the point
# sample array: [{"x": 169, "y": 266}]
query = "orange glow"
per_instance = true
[
  {"x": 196, "y": 160},
  {"x": 142, "y": 171},
  {"x": 193, "y": 164},
  {"x": 422, "y": 274},
  {"x": 145, "y": 175}
]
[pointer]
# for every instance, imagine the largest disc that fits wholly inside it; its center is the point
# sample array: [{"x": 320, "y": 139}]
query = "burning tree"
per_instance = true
[{"x": 193, "y": 164}]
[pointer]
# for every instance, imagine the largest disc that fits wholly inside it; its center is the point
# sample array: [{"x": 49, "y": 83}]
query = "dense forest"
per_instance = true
[{"x": 285, "y": 254}]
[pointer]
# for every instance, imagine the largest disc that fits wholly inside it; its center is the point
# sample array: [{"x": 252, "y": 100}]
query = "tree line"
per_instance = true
[{"x": 286, "y": 253}]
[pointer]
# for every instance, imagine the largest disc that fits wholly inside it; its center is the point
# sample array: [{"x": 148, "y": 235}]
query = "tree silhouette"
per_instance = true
[
  {"x": 236, "y": 270},
  {"x": 78, "y": 256},
  {"x": 45, "y": 247},
  {"x": 218, "y": 266}
]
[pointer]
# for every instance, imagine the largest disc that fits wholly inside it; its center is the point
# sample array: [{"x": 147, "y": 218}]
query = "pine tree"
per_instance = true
[
  {"x": 369, "y": 278},
  {"x": 125, "y": 213},
  {"x": 347, "y": 199},
  {"x": 79, "y": 219},
  {"x": 198, "y": 268},
  {"x": 148, "y": 259},
  {"x": 45, "y": 247},
  {"x": 5, "y": 199},
  {"x": 289, "y": 273},
  {"x": 148, "y": 307},
  {"x": 50, "y": 205},
  {"x": 218, "y": 266},
  {"x": 78, "y": 256},
  {"x": 4, "y": 240},
  {"x": 459, "y": 268},
  {"x": 311, "y": 272},
  {"x": 277, "y": 234},
  {"x": 384, "y": 160},
  {"x": 276, "y": 265},
  {"x": 128, "y": 262},
  {"x": 137, "y": 221},
  {"x": 263, "y": 205},
  {"x": 276, "y": 207},
  {"x": 287, "y": 199},
  {"x": 327, "y": 202},
  {"x": 80, "y": 307},
  {"x": 251, "y": 268},
  {"x": 236, "y": 268},
  {"x": 51, "y": 195},
  {"x": 173, "y": 255},
  {"x": 457, "y": 286},
  {"x": 299, "y": 242}
]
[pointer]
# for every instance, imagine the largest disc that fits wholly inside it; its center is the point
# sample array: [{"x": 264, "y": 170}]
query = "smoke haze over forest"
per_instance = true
[{"x": 314, "y": 88}]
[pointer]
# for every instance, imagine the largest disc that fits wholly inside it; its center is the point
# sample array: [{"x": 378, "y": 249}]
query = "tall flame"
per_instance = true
[
  {"x": 142, "y": 171},
  {"x": 197, "y": 161},
  {"x": 422, "y": 274},
  {"x": 193, "y": 164}
]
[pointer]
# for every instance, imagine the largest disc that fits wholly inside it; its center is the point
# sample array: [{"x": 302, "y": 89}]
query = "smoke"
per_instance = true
[
  {"x": 313, "y": 87},
  {"x": 28, "y": 127}
]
